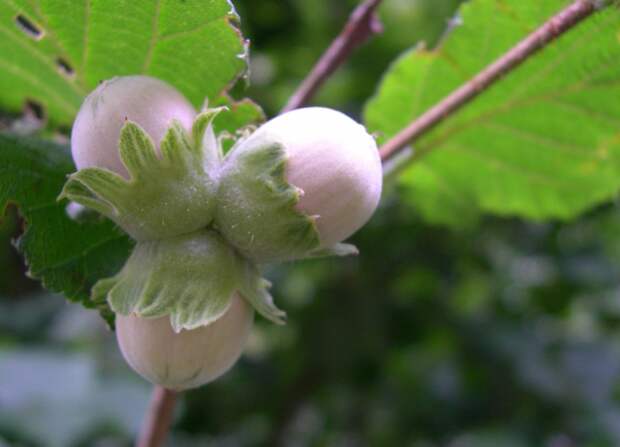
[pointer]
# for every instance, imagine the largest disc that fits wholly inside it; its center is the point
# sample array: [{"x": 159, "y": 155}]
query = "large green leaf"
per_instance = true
[
  {"x": 68, "y": 256},
  {"x": 542, "y": 143},
  {"x": 54, "y": 52}
]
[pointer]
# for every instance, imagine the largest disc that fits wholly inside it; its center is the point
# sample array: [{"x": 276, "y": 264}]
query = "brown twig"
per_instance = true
[
  {"x": 158, "y": 418},
  {"x": 362, "y": 24},
  {"x": 551, "y": 30}
]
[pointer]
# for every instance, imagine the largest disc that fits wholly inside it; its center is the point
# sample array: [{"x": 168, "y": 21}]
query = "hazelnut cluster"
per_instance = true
[{"x": 205, "y": 221}]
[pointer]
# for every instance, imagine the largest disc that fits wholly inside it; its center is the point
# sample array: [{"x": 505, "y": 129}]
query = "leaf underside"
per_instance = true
[
  {"x": 67, "y": 256},
  {"x": 542, "y": 143}
]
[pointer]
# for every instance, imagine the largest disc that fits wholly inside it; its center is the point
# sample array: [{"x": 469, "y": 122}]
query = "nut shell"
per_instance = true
[
  {"x": 300, "y": 185},
  {"x": 335, "y": 162},
  {"x": 187, "y": 359},
  {"x": 149, "y": 102}
]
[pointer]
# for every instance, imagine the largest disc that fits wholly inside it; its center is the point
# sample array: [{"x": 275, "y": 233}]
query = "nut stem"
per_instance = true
[{"x": 158, "y": 418}]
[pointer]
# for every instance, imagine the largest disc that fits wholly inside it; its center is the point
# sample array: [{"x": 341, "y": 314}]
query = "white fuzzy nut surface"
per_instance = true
[
  {"x": 179, "y": 361},
  {"x": 335, "y": 162},
  {"x": 151, "y": 103}
]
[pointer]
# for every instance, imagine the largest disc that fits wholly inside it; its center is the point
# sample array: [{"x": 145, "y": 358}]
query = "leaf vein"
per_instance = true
[{"x": 154, "y": 37}]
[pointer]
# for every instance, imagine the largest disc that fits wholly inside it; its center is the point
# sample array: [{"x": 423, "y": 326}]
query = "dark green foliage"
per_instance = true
[{"x": 66, "y": 255}]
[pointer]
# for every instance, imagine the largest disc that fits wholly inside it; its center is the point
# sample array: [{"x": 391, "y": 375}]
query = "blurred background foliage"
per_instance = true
[{"x": 501, "y": 335}]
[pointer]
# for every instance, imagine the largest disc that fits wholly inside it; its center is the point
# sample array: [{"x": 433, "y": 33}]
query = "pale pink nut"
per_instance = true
[
  {"x": 188, "y": 359},
  {"x": 335, "y": 162},
  {"x": 151, "y": 103}
]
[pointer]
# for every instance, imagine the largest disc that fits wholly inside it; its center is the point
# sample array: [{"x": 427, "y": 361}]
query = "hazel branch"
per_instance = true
[
  {"x": 362, "y": 24},
  {"x": 158, "y": 418},
  {"x": 562, "y": 22}
]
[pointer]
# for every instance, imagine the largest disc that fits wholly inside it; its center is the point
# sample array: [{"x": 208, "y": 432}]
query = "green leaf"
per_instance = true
[
  {"x": 55, "y": 52},
  {"x": 238, "y": 117},
  {"x": 542, "y": 143},
  {"x": 69, "y": 257}
]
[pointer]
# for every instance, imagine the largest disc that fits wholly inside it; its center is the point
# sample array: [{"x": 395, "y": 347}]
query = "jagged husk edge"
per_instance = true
[
  {"x": 257, "y": 208},
  {"x": 191, "y": 278},
  {"x": 165, "y": 195}
]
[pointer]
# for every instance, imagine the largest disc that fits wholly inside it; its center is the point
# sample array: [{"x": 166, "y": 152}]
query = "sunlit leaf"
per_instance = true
[
  {"x": 54, "y": 52},
  {"x": 542, "y": 143}
]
